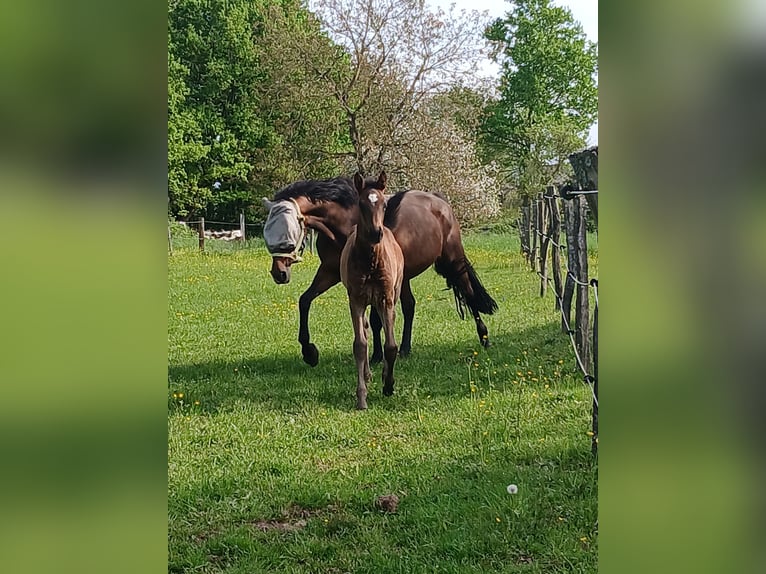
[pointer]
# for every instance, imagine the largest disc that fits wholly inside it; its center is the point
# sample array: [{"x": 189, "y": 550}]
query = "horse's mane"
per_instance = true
[{"x": 339, "y": 190}]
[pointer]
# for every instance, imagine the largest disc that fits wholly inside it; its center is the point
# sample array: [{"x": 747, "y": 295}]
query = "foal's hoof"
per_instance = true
[
  {"x": 388, "y": 391},
  {"x": 376, "y": 357},
  {"x": 485, "y": 342},
  {"x": 404, "y": 352},
  {"x": 311, "y": 354}
]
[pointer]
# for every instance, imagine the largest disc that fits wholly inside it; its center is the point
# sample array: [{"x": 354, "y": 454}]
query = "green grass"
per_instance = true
[{"x": 272, "y": 470}]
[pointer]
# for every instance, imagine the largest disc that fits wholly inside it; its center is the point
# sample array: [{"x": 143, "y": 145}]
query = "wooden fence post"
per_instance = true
[
  {"x": 524, "y": 228},
  {"x": 594, "y": 426},
  {"x": 545, "y": 241},
  {"x": 556, "y": 250},
  {"x": 170, "y": 240},
  {"x": 242, "y": 225},
  {"x": 202, "y": 234},
  {"x": 569, "y": 284},
  {"x": 582, "y": 307},
  {"x": 533, "y": 232}
]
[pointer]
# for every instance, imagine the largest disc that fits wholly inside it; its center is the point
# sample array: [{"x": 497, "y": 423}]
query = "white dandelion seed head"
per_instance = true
[{"x": 512, "y": 489}]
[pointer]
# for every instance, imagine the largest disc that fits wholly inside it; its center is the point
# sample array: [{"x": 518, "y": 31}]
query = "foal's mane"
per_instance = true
[{"x": 338, "y": 190}]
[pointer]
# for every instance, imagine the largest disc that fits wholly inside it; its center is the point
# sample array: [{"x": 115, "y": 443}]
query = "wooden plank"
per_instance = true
[
  {"x": 594, "y": 422},
  {"x": 534, "y": 231},
  {"x": 201, "y": 231}
]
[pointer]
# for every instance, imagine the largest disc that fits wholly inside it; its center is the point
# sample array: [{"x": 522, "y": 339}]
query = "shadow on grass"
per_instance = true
[{"x": 284, "y": 381}]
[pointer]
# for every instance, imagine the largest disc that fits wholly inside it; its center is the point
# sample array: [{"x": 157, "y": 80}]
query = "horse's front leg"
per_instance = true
[
  {"x": 390, "y": 349},
  {"x": 360, "y": 354},
  {"x": 323, "y": 280}
]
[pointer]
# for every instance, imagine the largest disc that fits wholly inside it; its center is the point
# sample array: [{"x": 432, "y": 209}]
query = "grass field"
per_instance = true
[{"x": 270, "y": 468}]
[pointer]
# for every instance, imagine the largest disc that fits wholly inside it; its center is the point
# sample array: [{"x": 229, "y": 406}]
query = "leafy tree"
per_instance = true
[
  {"x": 242, "y": 120},
  {"x": 548, "y": 97}
]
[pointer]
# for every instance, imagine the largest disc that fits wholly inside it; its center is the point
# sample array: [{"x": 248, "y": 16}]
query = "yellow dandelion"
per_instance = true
[
  {"x": 485, "y": 433},
  {"x": 475, "y": 353},
  {"x": 561, "y": 519},
  {"x": 196, "y": 403},
  {"x": 180, "y": 395},
  {"x": 534, "y": 379},
  {"x": 497, "y": 519},
  {"x": 175, "y": 395},
  {"x": 583, "y": 538},
  {"x": 561, "y": 361},
  {"x": 589, "y": 433},
  {"x": 547, "y": 386}
]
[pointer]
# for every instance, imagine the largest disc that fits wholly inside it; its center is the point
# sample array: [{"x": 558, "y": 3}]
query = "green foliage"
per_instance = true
[
  {"x": 548, "y": 92},
  {"x": 233, "y": 133},
  {"x": 271, "y": 469}
]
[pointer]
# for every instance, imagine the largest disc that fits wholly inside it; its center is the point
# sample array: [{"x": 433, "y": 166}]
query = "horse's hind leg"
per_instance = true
[
  {"x": 377, "y": 347},
  {"x": 408, "y": 311},
  {"x": 390, "y": 349},
  {"x": 323, "y": 280}
]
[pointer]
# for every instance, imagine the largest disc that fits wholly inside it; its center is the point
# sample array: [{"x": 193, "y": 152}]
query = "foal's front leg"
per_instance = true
[{"x": 360, "y": 355}]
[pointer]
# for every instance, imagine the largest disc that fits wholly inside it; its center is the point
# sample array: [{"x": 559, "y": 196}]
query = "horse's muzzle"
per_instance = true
[{"x": 280, "y": 271}]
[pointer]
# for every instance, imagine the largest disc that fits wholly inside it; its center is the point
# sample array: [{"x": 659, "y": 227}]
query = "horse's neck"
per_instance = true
[{"x": 339, "y": 220}]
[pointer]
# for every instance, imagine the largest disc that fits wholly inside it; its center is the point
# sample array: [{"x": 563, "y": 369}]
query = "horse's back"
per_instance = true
[{"x": 423, "y": 225}]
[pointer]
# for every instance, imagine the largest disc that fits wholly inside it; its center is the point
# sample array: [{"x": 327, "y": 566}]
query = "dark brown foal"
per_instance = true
[{"x": 372, "y": 268}]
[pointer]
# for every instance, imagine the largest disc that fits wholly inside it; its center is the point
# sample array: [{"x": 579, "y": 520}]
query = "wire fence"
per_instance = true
[{"x": 540, "y": 230}]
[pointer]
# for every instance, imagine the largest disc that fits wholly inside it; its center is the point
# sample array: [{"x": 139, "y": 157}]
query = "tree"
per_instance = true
[
  {"x": 397, "y": 54},
  {"x": 548, "y": 97},
  {"x": 242, "y": 121}
]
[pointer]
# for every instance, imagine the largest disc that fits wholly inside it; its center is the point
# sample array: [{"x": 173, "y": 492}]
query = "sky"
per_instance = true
[{"x": 584, "y": 11}]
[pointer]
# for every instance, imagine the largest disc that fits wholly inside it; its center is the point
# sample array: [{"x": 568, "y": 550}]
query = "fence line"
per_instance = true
[
  {"x": 310, "y": 239},
  {"x": 539, "y": 228}
]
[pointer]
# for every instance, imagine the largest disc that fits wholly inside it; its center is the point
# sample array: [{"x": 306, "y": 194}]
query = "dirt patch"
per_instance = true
[
  {"x": 294, "y": 518},
  {"x": 387, "y": 503}
]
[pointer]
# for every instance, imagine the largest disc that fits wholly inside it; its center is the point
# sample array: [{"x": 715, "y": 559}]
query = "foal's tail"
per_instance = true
[{"x": 479, "y": 300}]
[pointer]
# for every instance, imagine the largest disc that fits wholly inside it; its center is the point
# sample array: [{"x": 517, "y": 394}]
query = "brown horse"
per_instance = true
[
  {"x": 372, "y": 268},
  {"x": 424, "y": 227}
]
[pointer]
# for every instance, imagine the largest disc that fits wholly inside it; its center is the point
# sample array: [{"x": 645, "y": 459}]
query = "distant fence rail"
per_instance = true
[{"x": 236, "y": 233}]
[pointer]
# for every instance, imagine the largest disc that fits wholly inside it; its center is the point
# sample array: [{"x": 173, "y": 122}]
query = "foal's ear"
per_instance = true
[
  {"x": 358, "y": 182},
  {"x": 382, "y": 180},
  {"x": 266, "y": 203}
]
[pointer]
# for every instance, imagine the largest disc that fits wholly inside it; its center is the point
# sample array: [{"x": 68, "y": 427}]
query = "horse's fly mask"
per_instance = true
[{"x": 285, "y": 231}]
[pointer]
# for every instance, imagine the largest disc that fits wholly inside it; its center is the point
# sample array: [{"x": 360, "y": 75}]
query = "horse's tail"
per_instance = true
[{"x": 479, "y": 299}]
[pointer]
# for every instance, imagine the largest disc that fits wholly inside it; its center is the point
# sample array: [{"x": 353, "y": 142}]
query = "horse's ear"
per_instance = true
[
  {"x": 358, "y": 181},
  {"x": 382, "y": 180},
  {"x": 267, "y": 204}
]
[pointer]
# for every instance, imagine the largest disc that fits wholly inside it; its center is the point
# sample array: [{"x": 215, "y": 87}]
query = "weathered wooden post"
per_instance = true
[
  {"x": 170, "y": 240},
  {"x": 555, "y": 233},
  {"x": 569, "y": 284},
  {"x": 533, "y": 232},
  {"x": 524, "y": 231},
  {"x": 201, "y": 234},
  {"x": 545, "y": 241},
  {"x": 242, "y": 225},
  {"x": 582, "y": 307},
  {"x": 594, "y": 425}
]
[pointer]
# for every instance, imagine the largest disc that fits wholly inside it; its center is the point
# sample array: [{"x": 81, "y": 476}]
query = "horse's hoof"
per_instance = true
[
  {"x": 311, "y": 354},
  {"x": 361, "y": 406},
  {"x": 485, "y": 343},
  {"x": 388, "y": 391},
  {"x": 404, "y": 353},
  {"x": 376, "y": 358}
]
